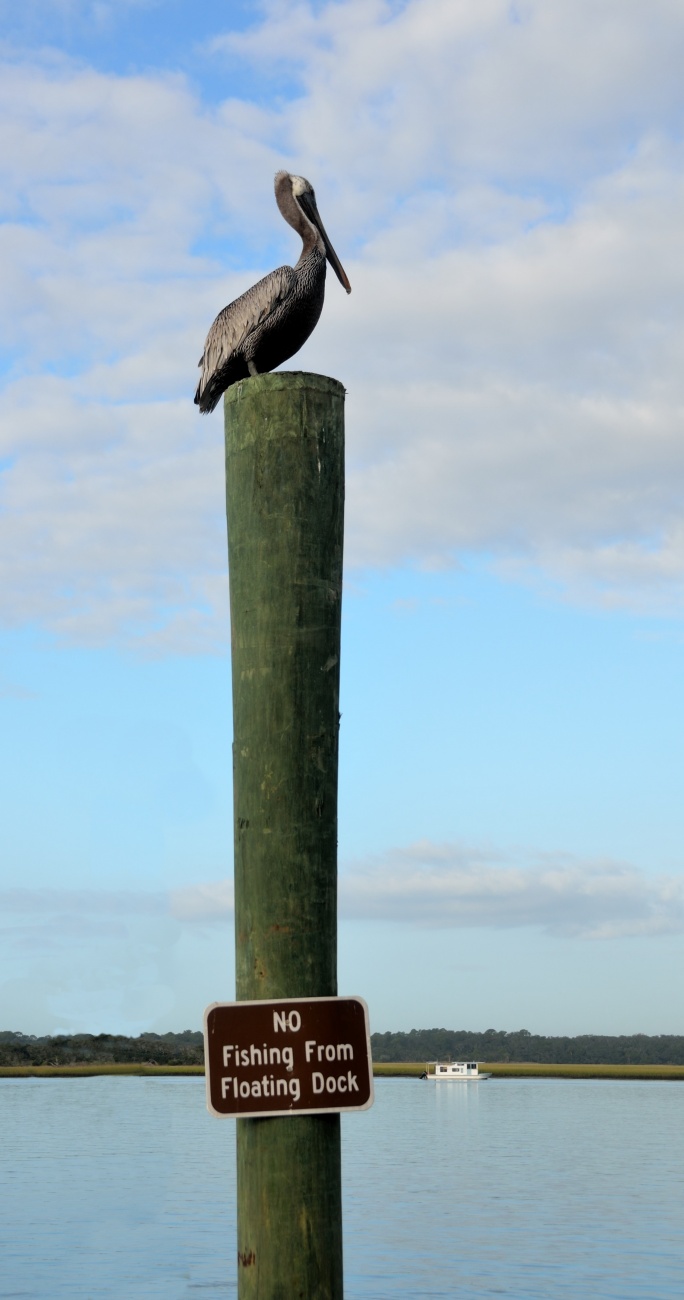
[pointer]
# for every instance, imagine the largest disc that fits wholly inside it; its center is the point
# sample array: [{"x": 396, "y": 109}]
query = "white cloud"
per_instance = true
[
  {"x": 512, "y": 195},
  {"x": 438, "y": 88},
  {"x": 15, "y": 691},
  {"x": 446, "y": 886},
  {"x": 211, "y": 901},
  {"x": 452, "y": 886},
  {"x": 52, "y": 917},
  {"x": 120, "y": 902}
]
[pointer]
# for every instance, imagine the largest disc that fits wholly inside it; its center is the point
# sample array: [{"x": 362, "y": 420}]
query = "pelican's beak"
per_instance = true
[{"x": 308, "y": 203}]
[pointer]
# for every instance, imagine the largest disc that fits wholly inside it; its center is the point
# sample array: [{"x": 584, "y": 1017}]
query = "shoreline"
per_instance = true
[
  {"x": 538, "y": 1070},
  {"x": 381, "y": 1069}
]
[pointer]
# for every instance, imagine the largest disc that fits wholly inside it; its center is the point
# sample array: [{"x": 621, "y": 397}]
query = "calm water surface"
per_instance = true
[{"x": 125, "y": 1187}]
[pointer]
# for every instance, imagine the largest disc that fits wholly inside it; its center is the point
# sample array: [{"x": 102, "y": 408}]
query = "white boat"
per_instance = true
[{"x": 446, "y": 1071}]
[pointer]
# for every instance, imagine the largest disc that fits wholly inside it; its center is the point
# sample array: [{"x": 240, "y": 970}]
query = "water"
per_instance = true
[{"x": 125, "y": 1187}]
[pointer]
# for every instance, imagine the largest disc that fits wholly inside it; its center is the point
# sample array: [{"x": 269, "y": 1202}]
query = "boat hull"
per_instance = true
[{"x": 457, "y": 1078}]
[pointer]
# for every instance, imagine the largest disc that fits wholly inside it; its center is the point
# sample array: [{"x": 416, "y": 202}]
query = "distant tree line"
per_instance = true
[
  {"x": 102, "y": 1049},
  {"x": 497, "y": 1045},
  {"x": 417, "y": 1045}
]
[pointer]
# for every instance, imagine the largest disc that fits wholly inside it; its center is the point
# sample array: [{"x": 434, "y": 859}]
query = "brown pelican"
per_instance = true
[{"x": 271, "y": 321}]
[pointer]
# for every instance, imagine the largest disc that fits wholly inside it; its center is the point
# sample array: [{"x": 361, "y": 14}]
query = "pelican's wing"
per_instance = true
[{"x": 238, "y": 319}]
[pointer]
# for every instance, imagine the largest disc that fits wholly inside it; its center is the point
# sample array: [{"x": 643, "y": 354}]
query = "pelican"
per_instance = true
[{"x": 271, "y": 321}]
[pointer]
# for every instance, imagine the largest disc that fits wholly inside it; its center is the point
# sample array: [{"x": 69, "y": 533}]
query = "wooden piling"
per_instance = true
[{"x": 285, "y": 500}]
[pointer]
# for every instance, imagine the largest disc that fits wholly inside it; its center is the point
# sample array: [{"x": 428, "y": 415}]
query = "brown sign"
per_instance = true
[{"x": 301, "y": 1056}]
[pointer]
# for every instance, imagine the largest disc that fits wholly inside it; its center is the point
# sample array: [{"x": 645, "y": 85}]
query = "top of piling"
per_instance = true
[{"x": 284, "y": 379}]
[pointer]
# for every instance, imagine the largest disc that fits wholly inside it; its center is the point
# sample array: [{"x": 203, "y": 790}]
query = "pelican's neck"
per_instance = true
[{"x": 294, "y": 216}]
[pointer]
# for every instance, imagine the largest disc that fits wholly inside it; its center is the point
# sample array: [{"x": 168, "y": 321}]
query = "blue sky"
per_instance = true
[{"x": 507, "y": 196}]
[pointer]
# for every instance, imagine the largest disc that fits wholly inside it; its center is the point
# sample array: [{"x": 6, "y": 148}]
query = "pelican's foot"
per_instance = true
[{"x": 252, "y": 368}]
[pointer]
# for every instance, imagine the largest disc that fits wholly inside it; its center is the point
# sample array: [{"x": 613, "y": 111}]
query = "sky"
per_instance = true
[{"x": 504, "y": 185}]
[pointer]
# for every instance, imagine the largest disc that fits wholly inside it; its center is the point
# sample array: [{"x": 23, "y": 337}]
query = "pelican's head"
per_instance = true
[{"x": 296, "y": 199}]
